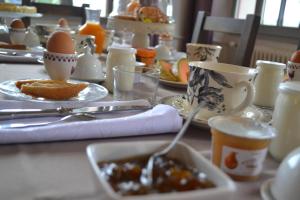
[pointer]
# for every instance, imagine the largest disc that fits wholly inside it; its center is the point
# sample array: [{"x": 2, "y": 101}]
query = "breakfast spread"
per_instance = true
[
  {"x": 50, "y": 89},
  {"x": 147, "y": 14},
  {"x": 169, "y": 175},
  {"x": 177, "y": 72},
  {"x": 146, "y": 55},
  {"x": 9, "y": 7}
]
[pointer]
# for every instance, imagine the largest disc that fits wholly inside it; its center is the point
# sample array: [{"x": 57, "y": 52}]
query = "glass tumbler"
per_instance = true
[{"x": 140, "y": 83}]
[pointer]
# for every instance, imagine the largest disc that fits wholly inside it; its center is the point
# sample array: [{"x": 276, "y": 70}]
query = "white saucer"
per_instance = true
[
  {"x": 180, "y": 103},
  {"x": 265, "y": 190}
]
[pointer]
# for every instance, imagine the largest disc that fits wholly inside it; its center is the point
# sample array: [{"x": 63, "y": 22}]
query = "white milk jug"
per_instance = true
[
  {"x": 118, "y": 56},
  {"x": 270, "y": 75}
]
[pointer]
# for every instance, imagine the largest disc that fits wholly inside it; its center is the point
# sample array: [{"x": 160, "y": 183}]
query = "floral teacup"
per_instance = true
[
  {"x": 202, "y": 52},
  {"x": 219, "y": 88}
]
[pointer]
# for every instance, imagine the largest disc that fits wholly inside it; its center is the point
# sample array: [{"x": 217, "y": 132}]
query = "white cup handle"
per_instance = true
[{"x": 248, "y": 99}]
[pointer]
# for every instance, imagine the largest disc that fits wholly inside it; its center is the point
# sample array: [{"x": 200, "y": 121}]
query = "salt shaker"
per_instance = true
[
  {"x": 270, "y": 75},
  {"x": 286, "y": 118},
  {"x": 118, "y": 56}
]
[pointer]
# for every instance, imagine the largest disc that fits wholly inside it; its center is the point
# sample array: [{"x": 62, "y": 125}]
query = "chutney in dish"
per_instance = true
[{"x": 169, "y": 175}]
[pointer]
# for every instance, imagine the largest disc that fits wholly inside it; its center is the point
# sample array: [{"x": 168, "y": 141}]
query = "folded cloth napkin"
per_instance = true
[{"x": 160, "y": 119}]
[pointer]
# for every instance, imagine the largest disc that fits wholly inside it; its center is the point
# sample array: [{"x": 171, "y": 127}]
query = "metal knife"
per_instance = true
[{"x": 7, "y": 114}]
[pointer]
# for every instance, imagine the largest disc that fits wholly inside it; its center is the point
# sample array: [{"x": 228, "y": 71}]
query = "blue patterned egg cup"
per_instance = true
[{"x": 220, "y": 88}]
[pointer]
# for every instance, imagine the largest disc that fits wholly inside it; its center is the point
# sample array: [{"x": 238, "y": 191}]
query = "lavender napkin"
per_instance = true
[{"x": 160, "y": 119}]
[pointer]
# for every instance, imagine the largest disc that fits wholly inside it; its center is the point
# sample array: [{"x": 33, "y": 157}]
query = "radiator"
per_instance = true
[{"x": 271, "y": 54}]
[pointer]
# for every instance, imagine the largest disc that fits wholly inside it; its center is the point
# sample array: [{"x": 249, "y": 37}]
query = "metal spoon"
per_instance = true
[
  {"x": 68, "y": 118},
  {"x": 147, "y": 178}
]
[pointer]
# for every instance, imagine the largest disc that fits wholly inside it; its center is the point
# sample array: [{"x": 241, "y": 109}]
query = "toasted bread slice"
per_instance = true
[
  {"x": 13, "y": 46},
  {"x": 50, "y": 89}
]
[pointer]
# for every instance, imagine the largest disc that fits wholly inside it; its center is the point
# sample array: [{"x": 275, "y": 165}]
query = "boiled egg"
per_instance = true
[
  {"x": 62, "y": 22},
  {"x": 17, "y": 23},
  {"x": 295, "y": 58},
  {"x": 60, "y": 42}
]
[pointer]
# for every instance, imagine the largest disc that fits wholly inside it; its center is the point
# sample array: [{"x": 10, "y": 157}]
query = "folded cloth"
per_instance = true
[{"x": 160, "y": 119}]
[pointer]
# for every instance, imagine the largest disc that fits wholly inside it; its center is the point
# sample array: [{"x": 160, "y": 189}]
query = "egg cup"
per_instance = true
[
  {"x": 293, "y": 71},
  {"x": 59, "y": 66},
  {"x": 17, "y": 35}
]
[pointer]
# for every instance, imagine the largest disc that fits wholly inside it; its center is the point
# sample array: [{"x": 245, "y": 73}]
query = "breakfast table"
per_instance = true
[{"x": 60, "y": 169}]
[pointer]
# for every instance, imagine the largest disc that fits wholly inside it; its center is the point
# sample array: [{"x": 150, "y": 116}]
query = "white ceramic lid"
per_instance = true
[
  {"x": 290, "y": 86},
  {"x": 270, "y": 64},
  {"x": 287, "y": 179},
  {"x": 120, "y": 49},
  {"x": 242, "y": 127}
]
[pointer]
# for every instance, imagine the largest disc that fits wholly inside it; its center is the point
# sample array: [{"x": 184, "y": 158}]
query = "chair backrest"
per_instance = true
[{"x": 247, "y": 29}]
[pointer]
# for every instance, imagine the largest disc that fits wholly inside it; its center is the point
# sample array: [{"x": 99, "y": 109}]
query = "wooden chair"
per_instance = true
[{"x": 247, "y": 29}]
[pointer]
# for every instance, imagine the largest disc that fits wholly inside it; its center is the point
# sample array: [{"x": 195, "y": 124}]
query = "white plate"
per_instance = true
[
  {"x": 93, "y": 92},
  {"x": 265, "y": 190},
  {"x": 180, "y": 103},
  {"x": 174, "y": 84}
]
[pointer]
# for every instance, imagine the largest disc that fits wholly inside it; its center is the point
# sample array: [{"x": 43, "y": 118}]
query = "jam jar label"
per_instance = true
[{"x": 242, "y": 162}]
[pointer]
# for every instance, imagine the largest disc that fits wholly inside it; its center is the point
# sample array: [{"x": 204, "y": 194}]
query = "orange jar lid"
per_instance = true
[{"x": 146, "y": 53}]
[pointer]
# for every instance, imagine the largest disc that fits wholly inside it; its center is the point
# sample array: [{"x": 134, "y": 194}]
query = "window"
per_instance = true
[
  {"x": 48, "y": 1},
  {"x": 101, "y": 5},
  {"x": 273, "y": 12}
]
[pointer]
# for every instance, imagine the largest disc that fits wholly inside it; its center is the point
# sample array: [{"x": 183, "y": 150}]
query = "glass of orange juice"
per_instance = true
[{"x": 93, "y": 27}]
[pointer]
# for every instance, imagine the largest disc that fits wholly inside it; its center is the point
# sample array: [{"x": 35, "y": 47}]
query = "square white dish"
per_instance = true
[{"x": 96, "y": 153}]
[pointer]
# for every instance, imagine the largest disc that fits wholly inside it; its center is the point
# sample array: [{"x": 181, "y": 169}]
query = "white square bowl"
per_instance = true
[{"x": 96, "y": 153}]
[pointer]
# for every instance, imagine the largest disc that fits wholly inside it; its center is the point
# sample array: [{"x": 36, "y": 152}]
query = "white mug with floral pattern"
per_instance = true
[
  {"x": 221, "y": 89},
  {"x": 202, "y": 52}
]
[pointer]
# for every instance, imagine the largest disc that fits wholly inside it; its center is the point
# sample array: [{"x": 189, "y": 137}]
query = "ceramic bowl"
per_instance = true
[
  {"x": 17, "y": 35},
  {"x": 59, "y": 66},
  {"x": 224, "y": 189},
  {"x": 287, "y": 180},
  {"x": 293, "y": 71}
]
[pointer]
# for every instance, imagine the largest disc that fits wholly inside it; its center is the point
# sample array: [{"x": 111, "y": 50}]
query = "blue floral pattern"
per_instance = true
[
  {"x": 200, "y": 90},
  {"x": 202, "y": 54}
]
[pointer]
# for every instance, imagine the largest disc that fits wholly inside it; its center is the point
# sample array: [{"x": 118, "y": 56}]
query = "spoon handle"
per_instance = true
[{"x": 181, "y": 132}]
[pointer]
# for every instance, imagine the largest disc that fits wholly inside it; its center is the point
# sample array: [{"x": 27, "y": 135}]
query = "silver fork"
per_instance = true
[{"x": 68, "y": 118}]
